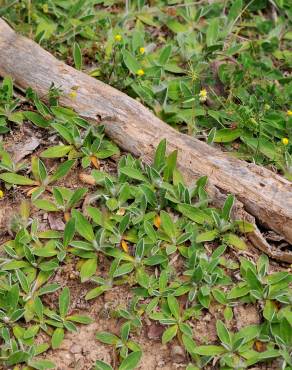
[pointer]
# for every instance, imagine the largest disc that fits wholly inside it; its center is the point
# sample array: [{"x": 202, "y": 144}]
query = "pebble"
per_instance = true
[
  {"x": 177, "y": 354},
  {"x": 76, "y": 348}
]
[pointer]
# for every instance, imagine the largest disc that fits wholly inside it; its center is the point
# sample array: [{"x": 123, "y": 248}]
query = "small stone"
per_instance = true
[
  {"x": 76, "y": 348},
  {"x": 155, "y": 331},
  {"x": 68, "y": 356},
  {"x": 87, "y": 179},
  {"x": 207, "y": 317},
  {"x": 177, "y": 354},
  {"x": 56, "y": 222}
]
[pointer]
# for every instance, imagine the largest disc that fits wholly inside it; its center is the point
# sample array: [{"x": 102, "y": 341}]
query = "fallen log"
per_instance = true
[{"x": 264, "y": 194}]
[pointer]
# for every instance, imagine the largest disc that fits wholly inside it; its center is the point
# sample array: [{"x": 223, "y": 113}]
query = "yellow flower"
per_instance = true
[
  {"x": 125, "y": 247},
  {"x": 142, "y": 50},
  {"x": 118, "y": 38},
  {"x": 73, "y": 94},
  {"x": 203, "y": 95},
  {"x": 157, "y": 221},
  {"x": 285, "y": 141},
  {"x": 1, "y": 194},
  {"x": 45, "y": 8},
  {"x": 140, "y": 72},
  {"x": 289, "y": 113}
]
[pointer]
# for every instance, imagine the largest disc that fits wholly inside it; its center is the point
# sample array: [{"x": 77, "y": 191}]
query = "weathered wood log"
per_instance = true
[{"x": 264, "y": 194}]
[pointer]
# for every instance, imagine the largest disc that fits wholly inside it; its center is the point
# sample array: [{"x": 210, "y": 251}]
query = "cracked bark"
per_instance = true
[{"x": 260, "y": 193}]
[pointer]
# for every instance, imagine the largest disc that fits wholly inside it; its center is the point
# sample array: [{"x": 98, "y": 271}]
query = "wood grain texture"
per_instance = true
[{"x": 264, "y": 194}]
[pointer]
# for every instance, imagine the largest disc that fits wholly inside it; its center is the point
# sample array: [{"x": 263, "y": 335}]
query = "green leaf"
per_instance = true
[
  {"x": 164, "y": 55},
  {"x": 133, "y": 173},
  {"x": 36, "y": 119},
  {"x": 46, "y": 205},
  {"x": 131, "y": 62},
  {"x": 16, "y": 117},
  {"x": 41, "y": 364},
  {"x": 209, "y": 350},
  {"x": 219, "y": 296},
  {"x": 13, "y": 265},
  {"x": 96, "y": 215},
  {"x": 124, "y": 269},
  {"x": 170, "y": 166},
  {"x": 80, "y": 319},
  {"x": 83, "y": 227},
  {"x": 70, "y": 326},
  {"x": 50, "y": 234},
  {"x": 77, "y": 56},
  {"x": 15, "y": 179},
  {"x": 12, "y": 297},
  {"x": 225, "y": 135},
  {"x": 253, "y": 280},
  {"x": 272, "y": 353},
  {"x": 69, "y": 232},
  {"x": 131, "y": 361},
  {"x": 76, "y": 197},
  {"x": 155, "y": 260},
  {"x": 227, "y": 208},
  {"x": 64, "y": 132},
  {"x": 101, "y": 365},
  {"x": 57, "y": 337},
  {"x": 175, "y": 26},
  {"x": 62, "y": 170},
  {"x": 64, "y": 302},
  {"x": 107, "y": 338},
  {"x": 238, "y": 292},
  {"x": 159, "y": 158},
  {"x": 173, "y": 306},
  {"x": 212, "y": 32},
  {"x": 266, "y": 147},
  {"x": 207, "y": 236},
  {"x": 23, "y": 280},
  {"x": 96, "y": 292},
  {"x": 17, "y": 357},
  {"x": 223, "y": 334},
  {"x": 269, "y": 310},
  {"x": 235, "y": 241},
  {"x": 88, "y": 269},
  {"x": 8, "y": 85},
  {"x": 169, "y": 333},
  {"x": 189, "y": 343},
  {"x": 194, "y": 214},
  {"x": 57, "y": 151},
  {"x": 244, "y": 226},
  {"x": 234, "y": 10},
  {"x": 168, "y": 225},
  {"x": 41, "y": 173}
]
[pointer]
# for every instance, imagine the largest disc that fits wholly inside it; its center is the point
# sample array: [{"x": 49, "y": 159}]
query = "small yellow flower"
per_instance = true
[
  {"x": 285, "y": 141},
  {"x": 267, "y": 107},
  {"x": 140, "y": 72},
  {"x": 142, "y": 50},
  {"x": 45, "y": 8},
  {"x": 73, "y": 94},
  {"x": 289, "y": 113},
  {"x": 203, "y": 95},
  {"x": 157, "y": 221},
  {"x": 1, "y": 194},
  {"x": 125, "y": 247},
  {"x": 118, "y": 38}
]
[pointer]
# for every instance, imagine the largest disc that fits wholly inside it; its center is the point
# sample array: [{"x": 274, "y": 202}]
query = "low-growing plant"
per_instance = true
[{"x": 128, "y": 350}]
